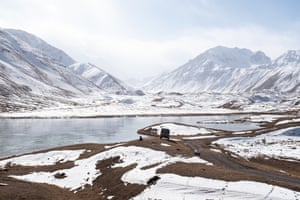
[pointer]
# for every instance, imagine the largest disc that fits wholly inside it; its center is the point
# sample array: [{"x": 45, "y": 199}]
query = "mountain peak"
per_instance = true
[
  {"x": 101, "y": 78},
  {"x": 223, "y": 69},
  {"x": 222, "y": 49},
  {"x": 291, "y": 56},
  {"x": 232, "y": 57},
  {"x": 30, "y": 42}
]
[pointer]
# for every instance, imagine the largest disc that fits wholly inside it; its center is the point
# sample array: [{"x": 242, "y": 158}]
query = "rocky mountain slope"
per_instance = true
[
  {"x": 283, "y": 74},
  {"x": 31, "y": 68},
  {"x": 101, "y": 79},
  {"x": 232, "y": 70}
]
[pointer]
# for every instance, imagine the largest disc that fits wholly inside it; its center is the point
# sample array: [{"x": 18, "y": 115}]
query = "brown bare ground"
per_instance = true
[{"x": 225, "y": 167}]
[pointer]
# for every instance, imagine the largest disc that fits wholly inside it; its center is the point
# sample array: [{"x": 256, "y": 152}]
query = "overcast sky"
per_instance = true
[{"x": 141, "y": 38}]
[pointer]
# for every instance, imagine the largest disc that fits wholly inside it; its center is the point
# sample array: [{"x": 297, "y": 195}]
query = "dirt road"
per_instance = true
[{"x": 268, "y": 171}]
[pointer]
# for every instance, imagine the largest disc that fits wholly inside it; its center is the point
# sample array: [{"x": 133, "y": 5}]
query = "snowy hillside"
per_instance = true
[
  {"x": 284, "y": 75},
  {"x": 232, "y": 70},
  {"x": 34, "y": 72},
  {"x": 29, "y": 41},
  {"x": 28, "y": 62},
  {"x": 100, "y": 78}
]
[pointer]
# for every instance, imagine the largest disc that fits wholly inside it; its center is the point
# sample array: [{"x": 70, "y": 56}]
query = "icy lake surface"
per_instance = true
[{"x": 26, "y": 135}]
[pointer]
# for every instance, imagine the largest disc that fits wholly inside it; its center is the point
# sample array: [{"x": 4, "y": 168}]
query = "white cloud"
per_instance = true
[
  {"x": 99, "y": 32},
  {"x": 127, "y": 57}
]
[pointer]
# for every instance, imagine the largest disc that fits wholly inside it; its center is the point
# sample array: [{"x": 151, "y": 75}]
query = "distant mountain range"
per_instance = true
[
  {"x": 34, "y": 72},
  {"x": 232, "y": 70}
]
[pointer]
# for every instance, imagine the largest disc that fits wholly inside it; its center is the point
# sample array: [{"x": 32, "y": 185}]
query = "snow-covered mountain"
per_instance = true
[
  {"x": 35, "y": 74},
  {"x": 283, "y": 75},
  {"x": 31, "y": 67},
  {"x": 28, "y": 62},
  {"x": 232, "y": 70},
  {"x": 100, "y": 78},
  {"x": 229, "y": 57}
]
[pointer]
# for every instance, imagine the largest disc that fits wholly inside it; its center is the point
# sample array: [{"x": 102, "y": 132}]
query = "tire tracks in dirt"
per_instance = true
[{"x": 262, "y": 172}]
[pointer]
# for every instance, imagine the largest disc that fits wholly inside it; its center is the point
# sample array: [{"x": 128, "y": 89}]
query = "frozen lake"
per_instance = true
[{"x": 25, "y": 135}]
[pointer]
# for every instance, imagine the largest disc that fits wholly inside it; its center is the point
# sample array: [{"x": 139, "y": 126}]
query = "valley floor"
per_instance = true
[
  {"x": 196, "y": 163},
  {"x": 148, "y": 105}
]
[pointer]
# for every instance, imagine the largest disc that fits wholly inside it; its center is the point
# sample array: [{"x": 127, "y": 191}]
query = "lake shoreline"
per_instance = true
[
  {"x": 151, "y": 115},
  {"x": 176, "y": 146},
  {"x": 206, "y": 160}
]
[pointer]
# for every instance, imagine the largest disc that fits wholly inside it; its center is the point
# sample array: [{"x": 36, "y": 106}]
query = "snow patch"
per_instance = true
[
  {"x": 85, "y": 171},
  {"x": 173, "y": 187},
  {"x": 112, "y": 146},
  {"x": 281, "y": 144},
  {"x": 216, "y": 150},
  {"x": 43, "y": 159},
  {"x": 288, "y": 121},
  {"x": 199, "y": 137},
  {"x": 181, "y": 129}
]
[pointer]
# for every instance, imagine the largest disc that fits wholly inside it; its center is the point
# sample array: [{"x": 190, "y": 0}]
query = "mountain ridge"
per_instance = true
[
  {"x": 101, "y": 78},
  {"x": 231, "y": 70},
  {"x": 34, "y": 72},
  {"x": 32, "y": 69}
]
